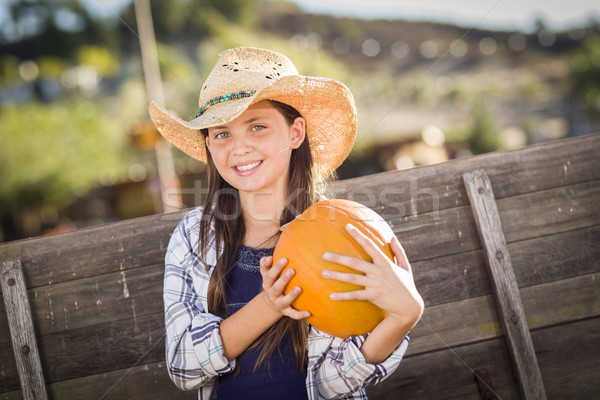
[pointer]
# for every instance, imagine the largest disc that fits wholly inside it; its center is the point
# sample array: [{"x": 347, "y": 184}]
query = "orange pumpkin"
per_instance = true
[{"x": 319, "y": 229}]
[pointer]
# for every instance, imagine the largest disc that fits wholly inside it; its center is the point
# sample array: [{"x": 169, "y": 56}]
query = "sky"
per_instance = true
[{"x": 489, "y": 14}]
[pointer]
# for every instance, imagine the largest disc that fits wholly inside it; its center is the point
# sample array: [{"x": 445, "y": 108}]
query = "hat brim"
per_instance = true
[{"x": 327, "y": 106}]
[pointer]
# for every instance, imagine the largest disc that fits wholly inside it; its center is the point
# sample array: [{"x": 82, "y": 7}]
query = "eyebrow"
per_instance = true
[{"x": 248, "y": 121}]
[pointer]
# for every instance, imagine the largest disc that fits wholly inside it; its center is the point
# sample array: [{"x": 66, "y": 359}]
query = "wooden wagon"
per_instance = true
[{"x": 505, "y": 249}]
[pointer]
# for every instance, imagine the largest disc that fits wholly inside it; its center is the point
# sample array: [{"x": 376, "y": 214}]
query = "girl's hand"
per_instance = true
[
  {"x": 273, "y": 285},
  {"x": 388, "y": 285}
]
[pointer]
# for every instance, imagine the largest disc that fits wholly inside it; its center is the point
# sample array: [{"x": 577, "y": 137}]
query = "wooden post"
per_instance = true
[
  {"x": 22, "y": 334},
  {"x": 504, "y": 283}
]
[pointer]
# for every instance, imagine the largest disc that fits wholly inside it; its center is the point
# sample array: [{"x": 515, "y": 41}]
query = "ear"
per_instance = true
[
  {"x": 207, "y": 142},
  {"x": 297, "y": 132}
]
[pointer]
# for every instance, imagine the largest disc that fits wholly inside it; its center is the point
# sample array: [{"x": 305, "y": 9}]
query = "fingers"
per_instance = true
[
  {"x": 400, "y": 254},
  {"x": 367, "y": 244},
  {"x": 269, "y": 272},
  {"x": 351, "y": 278},
  {"x": 348, "y": 261},
  {"x": 274, "y": 283}
]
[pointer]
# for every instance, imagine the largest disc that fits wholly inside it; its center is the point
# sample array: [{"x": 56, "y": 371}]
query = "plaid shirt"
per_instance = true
[{"x": 194, "y": 350}]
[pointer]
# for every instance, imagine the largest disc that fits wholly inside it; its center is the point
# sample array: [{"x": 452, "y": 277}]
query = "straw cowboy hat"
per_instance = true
[{"x": 244, "y": 76}]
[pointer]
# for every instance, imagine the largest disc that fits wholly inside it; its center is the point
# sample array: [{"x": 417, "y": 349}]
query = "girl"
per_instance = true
[{"x": 268, "y": 135}]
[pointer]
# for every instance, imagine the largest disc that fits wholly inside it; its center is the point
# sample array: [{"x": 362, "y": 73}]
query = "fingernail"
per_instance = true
[
  {"x": 289, "y": 272},
  {"x": 333, "y": 296},
  {"x": 327, "y": 256},
  {"x": 282, "y": 260},
  {"x": 326, "y": 273},
  {"x": 349, "y": 227},
  {"x": 297, "y": 290}
]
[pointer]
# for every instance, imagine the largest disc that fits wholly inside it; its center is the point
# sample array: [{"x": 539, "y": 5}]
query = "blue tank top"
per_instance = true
[{"x": 277, "y": 379}]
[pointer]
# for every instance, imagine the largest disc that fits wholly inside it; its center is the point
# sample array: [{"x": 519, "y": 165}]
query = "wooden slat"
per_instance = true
[
  {"x": 148, "y": 382},
  {"x": 96, "y": 300},
  {"x": 504, "y": 282},
  {"x": 454, "y": 231},
  {"x": 93, "y": 251},
  {"x": 448, "y": 374},
  {"x": 568, "y": 356},
  {"x": 22, "y": 334},
  {"x": 572, "y": 300},
  {"x": 537, "y": 260},
  {"x": 95, "y": 349},
  {"x": 529, "y": 169}
]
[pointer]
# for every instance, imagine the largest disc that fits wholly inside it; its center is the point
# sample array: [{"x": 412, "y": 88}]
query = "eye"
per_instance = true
[
  {"x": 221, "y": 135},
  {"x": 257, "y": 128}
]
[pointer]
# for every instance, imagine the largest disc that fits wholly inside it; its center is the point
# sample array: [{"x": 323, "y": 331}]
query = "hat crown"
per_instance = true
[{"x": 244, "y": 69}]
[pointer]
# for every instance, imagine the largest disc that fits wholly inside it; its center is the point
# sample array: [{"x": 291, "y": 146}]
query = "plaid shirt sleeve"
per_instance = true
[
  {"x": 194, "y": 350},
  {"x": 338, "y": 370}
]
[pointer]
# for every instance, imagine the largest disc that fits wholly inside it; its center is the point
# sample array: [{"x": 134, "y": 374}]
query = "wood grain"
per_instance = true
[
  {"x": 506, "y": 290},
  {"x": 148, "y": 382},
  {"x": 424, "y": 189},
  {"x": 24, "y": 343},
  {"x": 568, "y": 356}
]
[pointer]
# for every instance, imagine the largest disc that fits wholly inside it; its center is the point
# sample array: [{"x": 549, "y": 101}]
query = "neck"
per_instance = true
[{"x": 261, "y": 212}]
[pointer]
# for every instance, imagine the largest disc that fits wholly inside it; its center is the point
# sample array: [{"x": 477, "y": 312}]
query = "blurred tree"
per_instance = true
[
  {"x": 185, "y": 20},
  {"x": 53, "y": 153},
  {"x": 100, "y": 58},
  {"x": 585, "y": 73},
  {"x": 33, "y": 28},
  {"x": 483, "y": 134}
]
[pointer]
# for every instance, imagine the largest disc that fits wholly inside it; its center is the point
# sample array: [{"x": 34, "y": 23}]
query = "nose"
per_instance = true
[{"x": 241, "y": 145}]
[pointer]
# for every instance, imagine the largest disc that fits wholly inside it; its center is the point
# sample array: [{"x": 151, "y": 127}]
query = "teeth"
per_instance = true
[{"x": 247, "y": 166}]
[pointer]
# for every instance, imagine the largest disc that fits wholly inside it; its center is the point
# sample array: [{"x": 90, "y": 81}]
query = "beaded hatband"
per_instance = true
[{"x": 225, "y": 97}]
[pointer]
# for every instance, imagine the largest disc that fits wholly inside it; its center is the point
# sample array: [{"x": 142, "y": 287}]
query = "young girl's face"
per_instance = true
[{"x": 252, "y": 152}]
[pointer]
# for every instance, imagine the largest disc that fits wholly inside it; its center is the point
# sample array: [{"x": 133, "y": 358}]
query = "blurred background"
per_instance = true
[{"x": 433, "y": 82}]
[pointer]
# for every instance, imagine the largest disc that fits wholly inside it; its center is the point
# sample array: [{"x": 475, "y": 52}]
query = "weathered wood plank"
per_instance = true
[
  {"x": 572, "y": 300},
  {"x": 95, "y": 300},
  {"x": 555, "y": 257},
  {"x": 93, "y": 251},
  {"x": 568, "y": 356},
  {"x": 543, "y": 259},
  {"x": 522, "y": 217},
  {"x": 506, "y": 290},
  {"x": 95, "y": 349},
  {"x": 448, "y": 374},
  {"x": 149, "y": 381},
  {"x": 425, "y": 189},
  {"x": 22, "y": 334}
]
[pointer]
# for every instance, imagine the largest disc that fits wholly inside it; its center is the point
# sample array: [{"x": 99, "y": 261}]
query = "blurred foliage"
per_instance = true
[
  {"x": 33, "y": 28},
  {"x": 53, "y": 153},
  {"x": 585, "y": 72},
  {"x": 101, "y": 58},
  {"x": 483, "y": 133}
]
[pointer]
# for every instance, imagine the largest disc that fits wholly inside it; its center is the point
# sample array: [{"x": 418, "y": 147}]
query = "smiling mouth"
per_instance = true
[{"x": 247, "y": 167}]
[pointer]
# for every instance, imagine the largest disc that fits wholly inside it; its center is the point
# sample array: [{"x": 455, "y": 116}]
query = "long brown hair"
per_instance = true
[{"x": 223, "y": 215}]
